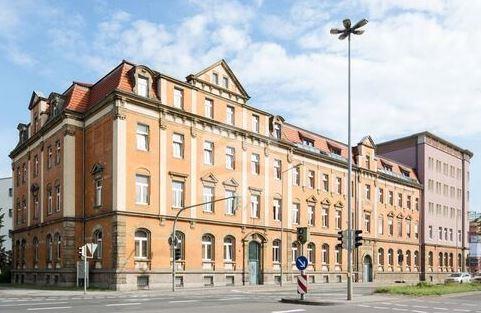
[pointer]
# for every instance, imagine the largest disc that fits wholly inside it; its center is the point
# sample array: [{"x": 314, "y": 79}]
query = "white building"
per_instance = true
[{"x": 6, "y": 207}]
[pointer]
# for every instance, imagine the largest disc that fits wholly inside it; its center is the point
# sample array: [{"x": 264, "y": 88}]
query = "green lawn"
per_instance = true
[{"x": 425, "y": 289}]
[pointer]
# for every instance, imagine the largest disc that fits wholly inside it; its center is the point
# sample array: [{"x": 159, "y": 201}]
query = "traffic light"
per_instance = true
[
  {"x": 340, "y": 237},
  {"x": 177, "y": 254},
  {"x": 357, "y": 238},
  {"x": 302, "y": 235}
]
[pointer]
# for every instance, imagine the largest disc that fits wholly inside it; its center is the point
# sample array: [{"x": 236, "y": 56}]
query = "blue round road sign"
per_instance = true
[{"x": 301, "y": 263}]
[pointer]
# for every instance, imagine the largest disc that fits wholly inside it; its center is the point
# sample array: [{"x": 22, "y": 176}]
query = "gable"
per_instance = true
[{"x": 223, "y": 71}]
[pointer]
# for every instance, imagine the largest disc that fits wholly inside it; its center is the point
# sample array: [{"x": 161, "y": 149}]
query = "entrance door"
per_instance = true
[
  {"x": 367, "y": 276},
  {"x": 254, "y": 257}
]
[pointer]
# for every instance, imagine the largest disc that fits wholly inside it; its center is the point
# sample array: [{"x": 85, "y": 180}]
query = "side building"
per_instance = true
[
  {"x": 113, "y": 162},
  {"x": 443, "y": 170},
  {"x": 6, "y": 193}
]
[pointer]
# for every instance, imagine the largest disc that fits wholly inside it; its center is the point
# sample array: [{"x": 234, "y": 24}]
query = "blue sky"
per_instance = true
[{"x": 416, "y": 68}]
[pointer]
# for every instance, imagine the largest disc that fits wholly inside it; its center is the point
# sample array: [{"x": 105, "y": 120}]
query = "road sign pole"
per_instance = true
[{"x": 85, "y": 273}]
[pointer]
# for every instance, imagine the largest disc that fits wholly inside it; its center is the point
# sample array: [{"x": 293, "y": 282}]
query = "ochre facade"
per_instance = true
[{"x": 138, "y": 145}]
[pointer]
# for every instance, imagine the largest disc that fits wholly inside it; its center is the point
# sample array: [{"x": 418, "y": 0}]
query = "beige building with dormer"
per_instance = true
[{"x": 112, "y": 163}]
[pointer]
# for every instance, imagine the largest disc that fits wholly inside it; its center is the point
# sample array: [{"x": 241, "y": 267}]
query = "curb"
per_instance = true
[{"x": 308, "y": 302}]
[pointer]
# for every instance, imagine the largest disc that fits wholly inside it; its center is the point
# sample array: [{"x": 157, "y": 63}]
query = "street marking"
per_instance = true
[
  {"x": 416, "y": 311},
  {"x": 399, "y": 304},
  {"x": 50, "y": 308},
  {"x": 420, "y": 306},
  {"x": 183, "y": 301},
  {"x": 228, "y": 299},
  {"x": 25, "y": 304},
  {"x": 461, "y": 310},
  {"x": 381, "y": 307},
  {"x": 290, "y": 311},
  {"x": 399, "y": 309},
  {"x": 121, "y": 304},
  {"x": 365, "y": 305},
  {"x": 444, "y": 309}
]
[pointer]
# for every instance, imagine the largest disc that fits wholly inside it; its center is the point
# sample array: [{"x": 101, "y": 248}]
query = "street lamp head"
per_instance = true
[
  {"x": 335, "y": 31},
  {"x": 347, "y": 23},
  {"x": 360, "y": 24},
  {"x": 343, "y": 35},
  {"x": 358, "y": 32}
]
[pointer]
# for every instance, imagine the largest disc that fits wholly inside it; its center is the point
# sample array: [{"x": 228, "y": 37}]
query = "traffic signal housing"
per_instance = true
[
  {"x": 340, "y": 237},
  {"x": 302, "y": 235},
  {"x": 357, "y": 238},
  {"x": 177, "y": 254}
]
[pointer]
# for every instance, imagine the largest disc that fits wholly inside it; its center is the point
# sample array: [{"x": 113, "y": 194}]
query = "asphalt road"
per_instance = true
[{"x": 236, "y": 301}]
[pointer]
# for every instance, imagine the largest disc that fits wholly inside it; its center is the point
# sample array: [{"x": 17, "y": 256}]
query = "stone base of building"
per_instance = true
[{"x": 124, "y": 281}]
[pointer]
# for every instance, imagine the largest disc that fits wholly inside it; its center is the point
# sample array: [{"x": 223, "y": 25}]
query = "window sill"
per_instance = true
[{"x": 141, "y": 204}]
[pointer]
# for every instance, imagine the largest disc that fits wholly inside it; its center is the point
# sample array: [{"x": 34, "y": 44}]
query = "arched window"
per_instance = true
[
  {"x": 98, "y": 240},
  {"x": 23, "y": 244},
  {"x": 390, "y": 257},
  {"x": 58, "y": 246},
  {"x": 416, "y": 258},
  {"x": 35, "y": 250},
  {"x": 229, "y": 249},
  {"x": 276, "y": 251},
  {"x": 49, "y": 248},
  {"x": 311, "y": 252},
  {"x": 208, "y": 247},
  {"x": 142, "y": 244},
  {"x": 295, "y": 251},
  {"x": 451, "y": 260},
  {"x": 430, "y": 258},
  {"x": 180, "y": 244},
  {"x": 446, "y": 259},
  {"x": 440, "y": 259},
  {"x": 325, "y": 253},
  {"x": 459, "y": 260},
  {"x": 408, "y": 258},
  {"x": 338, "y": 253},
  {"x": 400, "y": 257},
  {"x": 380, "y": 256}
]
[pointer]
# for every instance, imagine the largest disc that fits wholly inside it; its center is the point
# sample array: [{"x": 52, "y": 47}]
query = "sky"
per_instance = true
[{"x": 417, "y": 66}]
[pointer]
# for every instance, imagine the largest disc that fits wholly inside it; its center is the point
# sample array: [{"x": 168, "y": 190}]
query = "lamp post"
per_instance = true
[
  {"x": 173, "y": 236},
  {"x": 282, "y": 218},
  {"x": 343, "y": 34}
]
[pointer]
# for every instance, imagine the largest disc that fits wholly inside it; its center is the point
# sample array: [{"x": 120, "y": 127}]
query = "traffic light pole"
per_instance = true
[{"x": 174, "y": 237}]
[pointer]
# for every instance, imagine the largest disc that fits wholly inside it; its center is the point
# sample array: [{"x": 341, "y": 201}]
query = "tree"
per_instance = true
[{"x": 5, "y": 258}]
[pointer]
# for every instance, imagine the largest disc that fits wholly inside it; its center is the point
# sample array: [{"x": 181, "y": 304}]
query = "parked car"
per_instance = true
[
  {"x": 458, "y": 278},
  {"x": 476, "y": 278}
]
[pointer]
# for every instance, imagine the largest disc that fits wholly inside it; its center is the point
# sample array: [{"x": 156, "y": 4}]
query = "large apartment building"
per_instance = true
[
  {"x": 443, "y": 170},
  {"x": 113, "y": 162}
]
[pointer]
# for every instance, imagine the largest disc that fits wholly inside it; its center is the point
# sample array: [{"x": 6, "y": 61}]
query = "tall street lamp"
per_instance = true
[
  {"x": 343, "y": 34},
  {"x": 282, "y": 218}
]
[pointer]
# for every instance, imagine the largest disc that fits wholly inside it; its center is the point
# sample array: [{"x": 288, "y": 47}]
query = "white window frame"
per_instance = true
[
  {"x": 311, "y": 214},
  {"x": 178, "y": 190},
  {"x": 255, "y": 206},
  {"x": 230, "y": 115},
  {"x": 178, "y": 145},
  {"x": 277, "y": 209},
  {"x": 142, "y": 137},
  {"x": 142, "y": 189},
  {"x": 230, "y": 203},
  {"x": 98, "y": 192},
  {"x": 255, "y": 164},
  {"x": 230, "y": 158},
  {"x": 178, "y": 98},
  {"x": 143, "y": 86},
  {"x": 208, "y": 194},
  {"x": 296, "y": 207},
  {"x": 141, "y": 242},
  {"x": 209, "y": 108},
  {"x": 208, "y": 153},
  {"x": 255, "y": 123}
]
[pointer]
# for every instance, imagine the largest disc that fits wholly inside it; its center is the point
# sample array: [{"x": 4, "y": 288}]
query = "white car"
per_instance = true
[
  {"x": 476, "y": 278},
  {"x": 458, "y": 278}
]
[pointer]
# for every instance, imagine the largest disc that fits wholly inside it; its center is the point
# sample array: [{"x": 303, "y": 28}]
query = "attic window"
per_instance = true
[
  {"x": 387, "y": 167},
  {"x": 215, "y": 78},
  {"x": 277, "y": 130},
  {"x": 404, "y": 172},
  {"x": 225, "y": 82},
  {"x": 335, "y": 150},
  {"x": 308, "y": 142},
  {"x": 142, "y": 89}
]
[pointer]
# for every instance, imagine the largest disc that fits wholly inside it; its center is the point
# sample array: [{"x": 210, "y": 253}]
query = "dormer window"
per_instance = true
[
  {"x": 35, "y": 123},
  {"x": 387, "y": 167},
  {"x": 308, "y": 142},
  {"x": 142, "y": 89},
  {"x": 277, "y": 130},
  {"x": 215, "y": 78},
  {"x": 335, "y": 150},
  {"x": 368, "y": 161},
  {"x": 404, "y": 172},
  {"x": 225, "y": 82}
]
